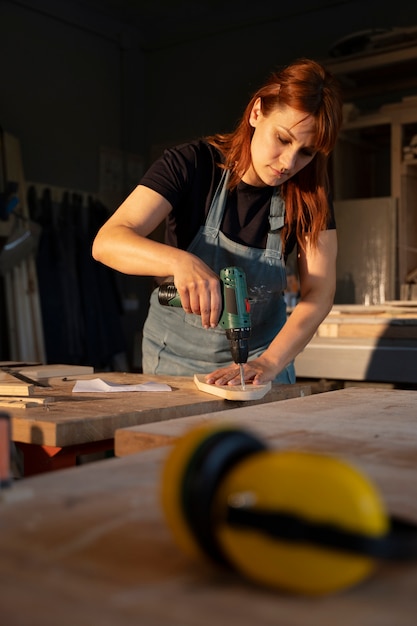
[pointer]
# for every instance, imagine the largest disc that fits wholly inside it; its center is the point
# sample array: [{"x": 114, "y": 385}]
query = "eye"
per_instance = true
[
  {"x": 308, "y": 152},
  {"x": 282, "y": 140}
]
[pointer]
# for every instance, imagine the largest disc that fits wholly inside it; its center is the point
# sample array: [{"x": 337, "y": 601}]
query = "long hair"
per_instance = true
[{"x": 307, "y": 86}]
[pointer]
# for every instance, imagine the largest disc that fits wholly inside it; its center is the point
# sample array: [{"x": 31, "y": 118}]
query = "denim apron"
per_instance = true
[{"x": 176, "y": 344}]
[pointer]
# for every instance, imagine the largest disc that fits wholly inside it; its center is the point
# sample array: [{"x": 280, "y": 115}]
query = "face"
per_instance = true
[{"x": 282, "y": 144}]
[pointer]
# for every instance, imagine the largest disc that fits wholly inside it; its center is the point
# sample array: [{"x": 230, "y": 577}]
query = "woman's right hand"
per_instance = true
[{"x": 199, "y": 289}]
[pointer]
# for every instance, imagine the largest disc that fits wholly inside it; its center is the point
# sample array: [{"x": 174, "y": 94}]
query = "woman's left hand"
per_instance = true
[{"x": 258, "y": 372}]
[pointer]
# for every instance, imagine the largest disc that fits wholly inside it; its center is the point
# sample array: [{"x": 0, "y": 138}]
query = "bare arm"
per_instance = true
[
  {"x": 123, "y": 244},
  {"x": 317, "y": 273}
]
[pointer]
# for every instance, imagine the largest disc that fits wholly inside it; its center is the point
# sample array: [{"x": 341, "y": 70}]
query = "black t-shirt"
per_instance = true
[{"x": 188, "y": 176}]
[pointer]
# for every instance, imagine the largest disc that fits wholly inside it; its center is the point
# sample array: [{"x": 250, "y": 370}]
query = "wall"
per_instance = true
[
  {"x": 70, "y": 86},
  {"x": 61, "y": 95},
  {"x": 193, "y": 98}
]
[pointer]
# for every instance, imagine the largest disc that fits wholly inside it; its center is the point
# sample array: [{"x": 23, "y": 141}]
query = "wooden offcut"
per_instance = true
[
  {"x": 14, "y": 388},
  {"x": 52, "y": 370},
  {"x": 22, "y": 402},
  {"x": 232, "y": 392}
]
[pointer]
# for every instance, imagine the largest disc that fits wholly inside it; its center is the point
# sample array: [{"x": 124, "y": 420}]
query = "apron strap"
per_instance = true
[
  {"x": 215, "y": 214},
  {"x": 276, "y": 222}
]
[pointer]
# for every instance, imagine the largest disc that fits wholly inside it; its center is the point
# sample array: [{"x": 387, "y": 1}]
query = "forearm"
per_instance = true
[
  {"x": 317, "y": 272},
  {"x": 298, "y": 330}
]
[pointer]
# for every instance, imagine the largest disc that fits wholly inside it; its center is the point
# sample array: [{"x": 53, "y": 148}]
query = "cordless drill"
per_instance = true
[{"x": 235, "y": 316}]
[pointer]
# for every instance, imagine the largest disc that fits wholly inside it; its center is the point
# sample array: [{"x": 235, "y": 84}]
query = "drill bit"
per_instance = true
[{"x": 242, "y": 378}]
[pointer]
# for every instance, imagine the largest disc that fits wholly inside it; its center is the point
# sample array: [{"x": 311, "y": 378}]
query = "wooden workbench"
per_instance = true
[
  {"x": 375, "y": 428},
  {"x": 54, "y": 435},
  {"x": 89, "y": 545}
]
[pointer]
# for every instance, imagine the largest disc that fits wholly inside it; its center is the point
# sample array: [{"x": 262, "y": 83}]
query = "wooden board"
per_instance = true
[
  {"x": 23, "y": 403},
  {"x": 78, "y": 418},
  {"x": 51, "y": 371},
  {"x": 366, "y": 425},
  {"x": 370, "y": 322},
  {"x": 366, "y": 260},
  {"x": 90, "y": 545},
  {"x": 132, "y": 439},
  {"x": 362, "y": 359},
  {"x": 229, "y": 392},
  {"x": 376, "y": 343},
  {"x": 14, "y": 388}
]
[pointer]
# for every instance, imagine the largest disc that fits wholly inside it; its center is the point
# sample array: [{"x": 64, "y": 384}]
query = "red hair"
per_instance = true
[{"x": 307, "y": 86}]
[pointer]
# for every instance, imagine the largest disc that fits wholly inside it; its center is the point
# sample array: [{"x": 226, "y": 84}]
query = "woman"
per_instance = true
[{"x": 241, "y": 199}]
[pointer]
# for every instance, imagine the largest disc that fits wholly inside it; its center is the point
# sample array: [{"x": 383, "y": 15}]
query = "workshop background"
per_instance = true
[{"x": 93, "y": 91}]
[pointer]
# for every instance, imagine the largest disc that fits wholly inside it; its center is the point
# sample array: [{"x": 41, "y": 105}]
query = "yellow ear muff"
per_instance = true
[
  {"x": 305, "y": 522},
  {"x": 191, "y": 474},
  {"x": 310, "y": 497}
]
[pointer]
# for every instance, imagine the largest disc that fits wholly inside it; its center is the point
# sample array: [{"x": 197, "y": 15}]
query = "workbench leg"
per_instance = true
[{"x": 38, "y": 459}]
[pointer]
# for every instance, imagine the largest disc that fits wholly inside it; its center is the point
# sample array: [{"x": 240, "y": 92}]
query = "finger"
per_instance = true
[
  {"x": 195, "y": 302},
  {"x": 220, "y": 376},
  {"x": 212, "y": 377},
  {"x": 185, "y": 299},
  {"x": 216, "y": 305},
  {"x": 205, "y": 308},
  {"x": 230, "y": 377}
]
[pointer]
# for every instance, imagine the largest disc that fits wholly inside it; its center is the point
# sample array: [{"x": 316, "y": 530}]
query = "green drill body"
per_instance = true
[{"x": 235, "y": 316}]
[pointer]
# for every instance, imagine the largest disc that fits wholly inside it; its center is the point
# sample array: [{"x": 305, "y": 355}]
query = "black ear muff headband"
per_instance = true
[
  {"x": 211, "y": 460},
  {"x": 400, "y": 543}
]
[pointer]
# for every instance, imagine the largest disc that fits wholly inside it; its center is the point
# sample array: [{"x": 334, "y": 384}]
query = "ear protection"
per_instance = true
[{"x": 300, "y": 521}]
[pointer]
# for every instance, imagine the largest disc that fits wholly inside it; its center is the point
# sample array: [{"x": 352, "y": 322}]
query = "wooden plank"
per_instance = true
[
  {"x": 366, "y": 260},
  {"x": 77, "y": 418},
  {"x": 388, "y": 321},
  {"x": 96, "y": 548},
  {"x": 128, "y": 440},
  {"x": 134, "y": 439},
  {"x": 14, "y": 388},
  {"x": 35, "y": 309},
  {"x": 372, "y": 329},
  {"x": 371, "y": 423},
  {"x": 375, "y": 360},
  {"x": 55, "y": 370},
  {"x": 23, "y": 403},
  {"x": 355, "y": 342}
]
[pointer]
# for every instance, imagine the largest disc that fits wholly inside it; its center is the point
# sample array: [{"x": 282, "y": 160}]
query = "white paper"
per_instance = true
[{"x": 101, "y": 386}]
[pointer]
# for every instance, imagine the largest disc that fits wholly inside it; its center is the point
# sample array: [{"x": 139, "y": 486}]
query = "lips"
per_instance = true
[{"x": 278, "y": 173}]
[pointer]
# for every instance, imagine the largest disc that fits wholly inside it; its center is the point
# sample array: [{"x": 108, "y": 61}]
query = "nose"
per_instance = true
[{"x": 287, "y": 159}]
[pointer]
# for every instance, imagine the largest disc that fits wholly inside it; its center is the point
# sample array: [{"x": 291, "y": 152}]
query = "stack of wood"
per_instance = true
[
  {"x": 15, "y": 394},
  {"x": 392, "y": 320}
]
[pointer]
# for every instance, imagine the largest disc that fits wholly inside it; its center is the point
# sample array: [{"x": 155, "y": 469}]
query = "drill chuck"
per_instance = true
[{"x": 239, "y": 343}]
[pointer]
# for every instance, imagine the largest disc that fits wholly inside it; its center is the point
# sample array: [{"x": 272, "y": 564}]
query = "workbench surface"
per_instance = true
[
  {"x": 74, "y": 418},
  {"x": 89, "y": 545},
  {"x": 51, "y": 436}
]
